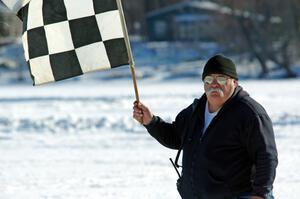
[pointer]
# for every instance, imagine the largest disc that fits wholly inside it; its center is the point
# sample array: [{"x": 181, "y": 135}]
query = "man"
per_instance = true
[{"x": 227, "y": 138}]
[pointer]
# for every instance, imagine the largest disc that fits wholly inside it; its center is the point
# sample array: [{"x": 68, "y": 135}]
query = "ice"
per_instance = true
[{"x": 77, "y": 140}]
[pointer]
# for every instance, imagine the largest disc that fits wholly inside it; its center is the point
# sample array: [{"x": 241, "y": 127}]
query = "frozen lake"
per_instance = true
[{"x": 79, "y": 141}]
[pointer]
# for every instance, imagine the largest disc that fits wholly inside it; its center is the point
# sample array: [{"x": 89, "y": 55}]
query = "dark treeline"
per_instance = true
[
  {"x": 270, "y": 34},
  {"x": 267, "y": 31}
]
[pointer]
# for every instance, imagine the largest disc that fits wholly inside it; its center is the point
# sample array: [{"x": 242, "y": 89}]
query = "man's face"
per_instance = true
[{"x": 219, "y": 88}]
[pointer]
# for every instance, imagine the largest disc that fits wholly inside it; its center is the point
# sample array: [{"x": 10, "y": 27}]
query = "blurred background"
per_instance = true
[
  {"x": 262, "y": 36},
  {"x": 76, "y": 139}
]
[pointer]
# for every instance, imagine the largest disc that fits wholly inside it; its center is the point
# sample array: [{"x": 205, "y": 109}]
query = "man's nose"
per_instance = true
[{"x": 214, "y": 83}]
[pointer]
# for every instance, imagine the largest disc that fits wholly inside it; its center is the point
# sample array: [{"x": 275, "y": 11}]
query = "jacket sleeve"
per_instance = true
[
  {"x": 262, "y": 150},
  {"x": 168, "y": 134}
]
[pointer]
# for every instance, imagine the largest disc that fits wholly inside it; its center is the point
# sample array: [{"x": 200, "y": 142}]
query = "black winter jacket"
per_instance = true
[{"x": 236, "y": 154}]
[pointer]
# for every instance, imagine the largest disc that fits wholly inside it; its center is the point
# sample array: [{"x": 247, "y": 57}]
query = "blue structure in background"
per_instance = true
[{"x": 185, "y": 21}]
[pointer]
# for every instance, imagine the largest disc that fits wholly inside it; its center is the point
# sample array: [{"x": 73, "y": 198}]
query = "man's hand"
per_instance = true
[
  {"x": 256, "y": 197},
  {"x": 142, "y": 113}
]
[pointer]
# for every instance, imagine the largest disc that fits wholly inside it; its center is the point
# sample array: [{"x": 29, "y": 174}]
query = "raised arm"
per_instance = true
[{"x": 168, "y": 134}]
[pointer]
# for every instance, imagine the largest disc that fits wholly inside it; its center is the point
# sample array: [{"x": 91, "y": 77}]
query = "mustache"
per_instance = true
[{"x": 220, "y": 91}]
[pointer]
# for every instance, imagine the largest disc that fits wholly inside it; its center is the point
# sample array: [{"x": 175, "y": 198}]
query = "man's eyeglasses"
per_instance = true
[{"x": 220, "y": 79}]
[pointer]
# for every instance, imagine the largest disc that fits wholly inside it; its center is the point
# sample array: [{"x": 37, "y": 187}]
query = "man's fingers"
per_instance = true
[
  {"x": 138, "y": 117},
  {"x": 138, "y": 112},
  {"x": 141, "y": 106},
  {"x": 141, "y": 112}
]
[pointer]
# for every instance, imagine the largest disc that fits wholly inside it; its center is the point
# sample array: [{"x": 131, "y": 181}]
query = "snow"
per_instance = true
[{"x": 77, "y": 139}]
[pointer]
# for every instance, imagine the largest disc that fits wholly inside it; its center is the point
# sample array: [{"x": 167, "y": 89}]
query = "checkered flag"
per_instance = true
[{"x": 67, "y": 38}]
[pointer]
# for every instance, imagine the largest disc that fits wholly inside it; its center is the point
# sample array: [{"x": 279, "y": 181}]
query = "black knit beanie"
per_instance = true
[{"x": 220, "y": 64}]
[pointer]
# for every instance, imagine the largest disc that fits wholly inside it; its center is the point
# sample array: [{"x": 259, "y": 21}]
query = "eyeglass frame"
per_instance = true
[{"x": 217, "y": 78}]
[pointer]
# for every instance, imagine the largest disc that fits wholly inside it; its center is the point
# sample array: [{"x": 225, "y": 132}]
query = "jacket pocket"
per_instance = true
[
  {"x": 217, "y": 187},
  {"x": 214, "y": 179}
]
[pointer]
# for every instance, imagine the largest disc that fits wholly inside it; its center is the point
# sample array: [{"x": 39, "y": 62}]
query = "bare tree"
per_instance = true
[
  {"x": 10, "y": 26},
  {"x": 270, "y": 31}
]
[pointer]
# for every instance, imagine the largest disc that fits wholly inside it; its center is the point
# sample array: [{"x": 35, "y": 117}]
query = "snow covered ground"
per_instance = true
[{"x": 77, "y": 140}]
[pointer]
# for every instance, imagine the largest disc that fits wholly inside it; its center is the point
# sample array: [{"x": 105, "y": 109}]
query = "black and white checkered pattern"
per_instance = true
[{"x": 66, "y": 38}]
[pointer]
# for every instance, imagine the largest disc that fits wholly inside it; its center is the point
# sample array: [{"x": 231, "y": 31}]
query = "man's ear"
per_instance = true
[{"x": 235, "y": 83}]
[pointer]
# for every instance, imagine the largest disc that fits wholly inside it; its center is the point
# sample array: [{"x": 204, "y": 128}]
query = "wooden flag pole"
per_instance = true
[{"x": 126, "y": 37}]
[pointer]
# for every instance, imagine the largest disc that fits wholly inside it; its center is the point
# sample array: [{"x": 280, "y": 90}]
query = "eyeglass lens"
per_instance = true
[{"x": 220, "y": 79}]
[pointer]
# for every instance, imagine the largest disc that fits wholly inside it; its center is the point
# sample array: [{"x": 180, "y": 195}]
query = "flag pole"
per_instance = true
[{"x": 127, "y": 42}]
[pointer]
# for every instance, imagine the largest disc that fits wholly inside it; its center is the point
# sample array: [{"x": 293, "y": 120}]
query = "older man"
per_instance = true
[{"x": 227, "y": 139}]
